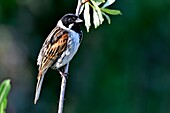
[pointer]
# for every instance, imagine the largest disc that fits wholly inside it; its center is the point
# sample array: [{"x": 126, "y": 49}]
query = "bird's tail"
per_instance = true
[{"x": 39, "y": 84}]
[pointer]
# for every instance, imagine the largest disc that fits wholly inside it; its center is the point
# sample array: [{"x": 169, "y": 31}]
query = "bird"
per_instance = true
[{"x": 59, "y": 48}]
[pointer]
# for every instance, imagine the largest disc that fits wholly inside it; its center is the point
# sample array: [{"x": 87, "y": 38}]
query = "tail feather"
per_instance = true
[{"x": 39, "y": 84}]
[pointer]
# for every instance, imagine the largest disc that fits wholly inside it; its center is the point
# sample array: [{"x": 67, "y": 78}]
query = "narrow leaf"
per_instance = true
[
  {"x": 99, "y": 1},
  {"x": 1, "y": 87},
  {"x": 5, "y": 88},
  {"x": 96, "y": 20},
  {"x": 87, "y": 16},
  {"x": 107, "y": 17},
  {"x": 98, "y": 11},
  {"x": 111, "y": 11},
  {"x": 108, "y": 2},
  {"x": 4, "y": 103},
  {"x": 1, "y": 108},
  {"x": 81, "y": 9},
  {"x": 78, "y": 7}
]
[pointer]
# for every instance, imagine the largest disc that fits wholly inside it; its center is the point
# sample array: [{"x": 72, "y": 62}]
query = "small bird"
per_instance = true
[{"x": 59, "y": 47}]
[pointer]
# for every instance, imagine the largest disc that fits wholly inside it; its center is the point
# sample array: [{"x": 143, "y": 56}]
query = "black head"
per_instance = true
[{"x": 69, "y": 20}]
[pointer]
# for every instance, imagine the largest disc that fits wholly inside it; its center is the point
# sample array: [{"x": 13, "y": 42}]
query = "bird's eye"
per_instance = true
[{"x": 74, "y": 18}]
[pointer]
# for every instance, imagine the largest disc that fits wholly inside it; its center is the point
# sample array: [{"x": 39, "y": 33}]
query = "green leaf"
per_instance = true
[
  {"x": 111, "y": 11},
  {"x": 96, "y": 20},
  {"x": 99, "y": 1},
  {"x": 1, "y": 86},
  {"x": 98, "y": 11},
  {"x": 4, "y": 90},
  {"x": 4, "y": 103},
  {"x": 87, "y": 16},
  {"x": 107, "y": 17},
  {"x": 1, "y": 108}
]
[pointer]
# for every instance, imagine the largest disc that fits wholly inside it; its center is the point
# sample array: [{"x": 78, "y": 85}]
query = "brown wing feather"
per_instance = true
[{"x": 53, "y": 48}]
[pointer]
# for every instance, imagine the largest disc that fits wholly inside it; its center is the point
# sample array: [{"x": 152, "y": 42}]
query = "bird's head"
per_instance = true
[{"x": 69, "y": 20}]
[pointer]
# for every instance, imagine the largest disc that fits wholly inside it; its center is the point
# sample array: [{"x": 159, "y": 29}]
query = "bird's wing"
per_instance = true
[{"x": 52, "y": 48}]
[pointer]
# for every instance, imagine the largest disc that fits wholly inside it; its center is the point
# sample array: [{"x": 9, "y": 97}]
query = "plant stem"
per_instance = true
[{"x": 62, "y": 91}]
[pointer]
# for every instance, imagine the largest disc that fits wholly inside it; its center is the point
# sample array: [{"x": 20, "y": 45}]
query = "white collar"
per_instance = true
[{"x": 60, "y": 24}]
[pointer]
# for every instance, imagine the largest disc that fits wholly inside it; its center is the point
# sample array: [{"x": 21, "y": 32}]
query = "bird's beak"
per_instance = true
[{"x": 78, "y": 20}]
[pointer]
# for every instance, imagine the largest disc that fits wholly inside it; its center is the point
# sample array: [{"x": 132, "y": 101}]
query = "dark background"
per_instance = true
[{"x": 123, "y": 67}]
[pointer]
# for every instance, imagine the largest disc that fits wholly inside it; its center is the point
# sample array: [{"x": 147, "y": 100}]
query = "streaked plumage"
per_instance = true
[{"x": 59, "y": 47}]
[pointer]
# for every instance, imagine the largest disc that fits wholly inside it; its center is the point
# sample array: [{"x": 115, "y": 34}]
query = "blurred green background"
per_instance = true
[{"x": 123, "y": 67}]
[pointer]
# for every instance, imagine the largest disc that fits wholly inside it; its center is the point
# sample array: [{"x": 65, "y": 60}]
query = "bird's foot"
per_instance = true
[{"x": 64, "y": 75}]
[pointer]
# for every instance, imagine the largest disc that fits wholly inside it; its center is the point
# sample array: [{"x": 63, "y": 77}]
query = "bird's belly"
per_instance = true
[{"x": 72, "y": 47}]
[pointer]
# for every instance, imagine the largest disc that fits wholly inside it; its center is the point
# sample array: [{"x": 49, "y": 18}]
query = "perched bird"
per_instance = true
[{"x": 59, "y": 47}]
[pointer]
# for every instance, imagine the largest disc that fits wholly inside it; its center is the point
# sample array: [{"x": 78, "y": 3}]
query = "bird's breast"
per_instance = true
[{"x": 71, "y": 49}]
